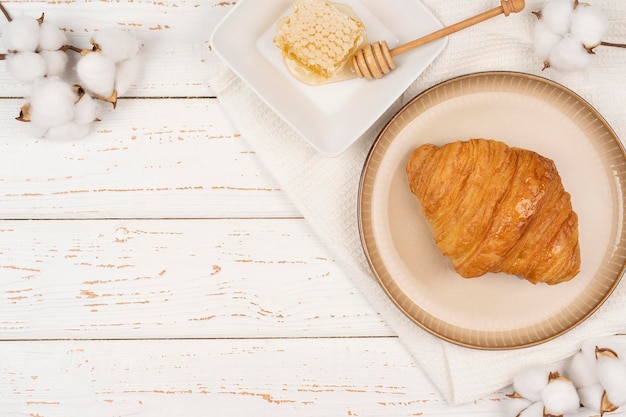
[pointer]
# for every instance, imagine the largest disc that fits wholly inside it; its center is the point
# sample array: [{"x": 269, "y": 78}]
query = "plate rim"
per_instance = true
[{"x": 370, "y": 254}]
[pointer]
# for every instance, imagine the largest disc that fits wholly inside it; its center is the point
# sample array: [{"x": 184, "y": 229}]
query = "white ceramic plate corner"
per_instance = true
[{"x": 333, "y": 116}]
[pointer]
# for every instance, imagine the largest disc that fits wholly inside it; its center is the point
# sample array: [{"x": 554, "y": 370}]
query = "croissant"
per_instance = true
[{"x": 495, "y": 208}]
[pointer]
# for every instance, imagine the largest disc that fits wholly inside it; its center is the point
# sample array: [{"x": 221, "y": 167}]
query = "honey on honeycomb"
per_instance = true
[{"x": 317, "y": 40}]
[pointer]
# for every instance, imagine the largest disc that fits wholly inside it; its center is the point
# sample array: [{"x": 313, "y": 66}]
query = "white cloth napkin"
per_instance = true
[{"x": 325, "y": 189}]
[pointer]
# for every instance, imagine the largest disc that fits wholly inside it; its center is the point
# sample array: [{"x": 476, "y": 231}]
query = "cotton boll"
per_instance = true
[
  {"x": 126, "y": 73},
  {"x": 582, "y": 412},
  {"x": 21, "y": 34},
  {"x": 516, "y": 405},
  {"x": 117, "y": 44},
  {"x": 590, "y": 346},
  {"x": 56, "y": 62},
  {"x": 594, "y": 398},
  {"x": 560, "y": 396},
  {"x": 591, "y": 397},
  {"x": 86, "y": 110},
  {"x": 531, "y": 382},
  {"x": 545, "y": 40},
  {"x": 33, "y": 130},
  {"x": 51, "y": 37},
  {"x": 533, "y": 410},
  {"x": 51, "y": 103},
  {"x": 557, "y": 15},
  {"x": 26, "y": 66},
  {"x": 612, "y": 374},
  {"x": 582, "y": 370},
  {"x": 569, "y": 55},
  {"x": 67, "y": 131},
  {"x": 97, "y": 73},
  {"x": 589, "y": 25},
  {"x": 588, "y": 350}
]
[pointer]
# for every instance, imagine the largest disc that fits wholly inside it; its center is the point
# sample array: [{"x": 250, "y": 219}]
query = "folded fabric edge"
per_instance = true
[{"x": 225, "y": 80}]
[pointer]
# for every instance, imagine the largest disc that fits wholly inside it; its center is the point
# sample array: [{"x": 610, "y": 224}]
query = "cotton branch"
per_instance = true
[
  {"x": 71, "y": 48},
  {"x": 5, "y": 12},
  {"x": 616, "y": 45},
  {"x": 8, "y": 17}
]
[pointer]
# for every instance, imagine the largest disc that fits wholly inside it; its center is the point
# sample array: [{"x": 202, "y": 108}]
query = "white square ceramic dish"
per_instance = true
[{"x": 333, "y": 116}]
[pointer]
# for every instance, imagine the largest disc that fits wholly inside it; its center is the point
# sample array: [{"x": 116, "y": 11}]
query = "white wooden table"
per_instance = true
[{"x": 155, "y": 268}]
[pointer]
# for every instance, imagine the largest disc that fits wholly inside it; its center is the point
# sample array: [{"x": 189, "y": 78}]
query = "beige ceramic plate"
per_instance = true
[{"x": 496, "y": 311}]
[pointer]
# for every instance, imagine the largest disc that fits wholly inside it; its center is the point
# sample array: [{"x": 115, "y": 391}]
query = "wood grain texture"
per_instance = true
[
  {"x": 269, "y": 377},
  {"x": 159, "y": 158},
  {"x": 174, "y": 278},
  {"x": 156, "y": 268}
]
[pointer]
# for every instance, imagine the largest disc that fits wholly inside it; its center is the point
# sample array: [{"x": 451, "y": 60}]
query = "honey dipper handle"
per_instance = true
[{"x": 507, "y": 7}]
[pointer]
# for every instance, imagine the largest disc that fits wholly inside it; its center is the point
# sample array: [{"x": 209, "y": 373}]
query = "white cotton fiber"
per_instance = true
[
  {"x": 545, "y": 40},
  {"x": 560, "y": 397},
  {"x": 569, "y": 55},
  {"x": 533, "y": 410},
  {"x": 557, "y": 15},
  {"x": 51, "y": 103},
  {"x": 589, "y": 25},
  {"x": 86, "y": 110},
  {"x": 126, "y": 73},
  {"x": 582, "y": 412},
  {"x": 612, "y": 374},
  {"x": 591, "y": 397},
  {"x": 582, "y": 370},
  {"x": 21, "y": 34},
  {"x": 97, "y": 73},
  {"x": 531, "y": 382},
  {"x": 515, "y": 406},
  {"x": 590, "y": 346},
  {"x": 26, "y": 66},
  {"x": 566, "y": 33},
  {"x": 51, "y": 37},
  {"x": 33, "y": 130},
  {"x": 117, "y": 44},
  {"x": 56, "y": 62}
]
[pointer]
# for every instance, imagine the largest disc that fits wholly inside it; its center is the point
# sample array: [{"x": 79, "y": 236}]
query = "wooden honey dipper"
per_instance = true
[{"x": 376, "y": 59}]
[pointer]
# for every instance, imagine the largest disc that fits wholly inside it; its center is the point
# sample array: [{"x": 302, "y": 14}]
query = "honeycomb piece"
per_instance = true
[{"x": 319, "y": 37}]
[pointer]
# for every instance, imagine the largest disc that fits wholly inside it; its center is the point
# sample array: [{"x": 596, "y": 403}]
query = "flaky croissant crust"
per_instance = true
[{"x": 495, "y": 208}]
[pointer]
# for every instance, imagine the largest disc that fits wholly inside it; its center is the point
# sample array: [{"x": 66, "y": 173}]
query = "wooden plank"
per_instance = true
[
  {"x": 177, "y": 55},
  {"x": 174, "y": 278},
  {"x": 148, "y": 158},
  {"x": 267, "y": 377}
]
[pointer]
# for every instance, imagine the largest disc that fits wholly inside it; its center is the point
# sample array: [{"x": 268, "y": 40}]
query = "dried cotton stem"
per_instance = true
[
  {"x": 8, "y": 18},
  {"x": 71, "y": 48},
  {"x": 616, "y": 45},
  {"x": 5, "y": 13}
]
